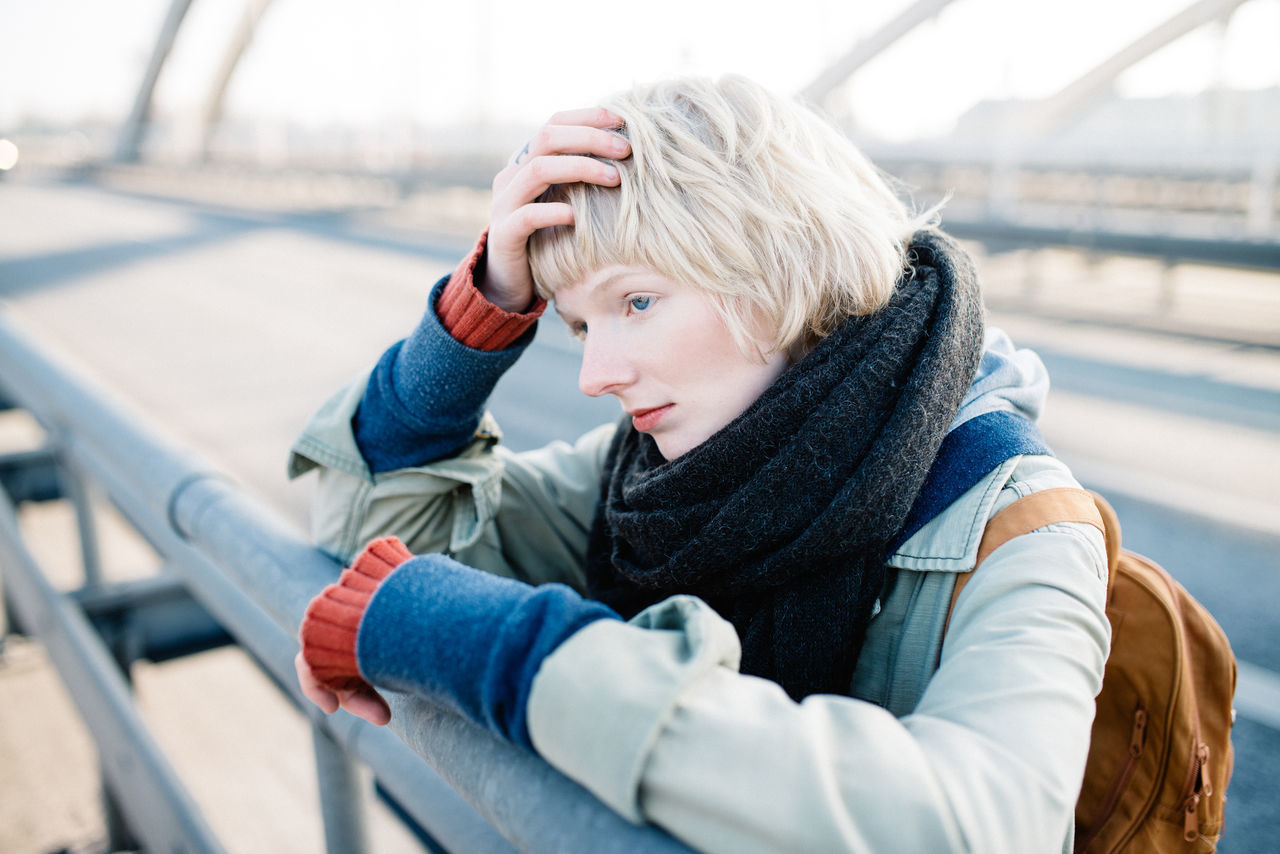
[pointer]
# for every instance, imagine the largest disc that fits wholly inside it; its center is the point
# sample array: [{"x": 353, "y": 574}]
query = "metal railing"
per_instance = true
[
  {"x": 232, "y": 570},
  {"x": 1224, "y": 215}
]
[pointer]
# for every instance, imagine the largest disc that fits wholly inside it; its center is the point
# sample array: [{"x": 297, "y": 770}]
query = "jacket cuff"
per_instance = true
[
  {"x": 472, "y": 319},
  {"x": 332, "y": 621},
  {"x": 598, "y": 705}
]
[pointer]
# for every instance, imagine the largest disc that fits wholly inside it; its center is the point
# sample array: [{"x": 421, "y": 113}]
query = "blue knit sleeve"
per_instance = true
[
  {"x": 467, "y": 639},
  {"x": 426, "y": 395}
]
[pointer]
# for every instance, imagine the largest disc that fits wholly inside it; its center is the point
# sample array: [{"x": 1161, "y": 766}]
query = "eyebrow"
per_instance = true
[{"x": 598, "y": 289}]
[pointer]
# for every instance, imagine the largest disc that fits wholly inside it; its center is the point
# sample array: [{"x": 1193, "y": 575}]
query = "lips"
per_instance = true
[{"x": 645, "y": 420}]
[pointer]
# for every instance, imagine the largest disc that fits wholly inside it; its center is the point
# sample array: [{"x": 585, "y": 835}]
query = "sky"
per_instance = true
[{"x": 319, "y": 63}]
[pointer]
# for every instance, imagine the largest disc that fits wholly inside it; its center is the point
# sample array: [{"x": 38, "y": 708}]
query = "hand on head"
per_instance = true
[{"x": 555, "y": 155}]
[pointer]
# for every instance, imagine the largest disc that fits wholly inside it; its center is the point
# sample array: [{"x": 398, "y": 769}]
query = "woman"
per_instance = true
[{"x": 816, "y": 433}]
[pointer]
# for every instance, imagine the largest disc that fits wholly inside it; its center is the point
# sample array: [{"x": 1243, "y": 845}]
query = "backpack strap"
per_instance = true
[{"x": 1061, "y": 504}]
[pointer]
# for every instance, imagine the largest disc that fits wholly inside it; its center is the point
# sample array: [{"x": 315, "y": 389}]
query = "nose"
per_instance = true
[{"x": 605, "y": 367}]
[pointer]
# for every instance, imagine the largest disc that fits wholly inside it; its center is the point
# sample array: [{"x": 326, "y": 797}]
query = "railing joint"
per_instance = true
[{"x": 31, "y": 476}]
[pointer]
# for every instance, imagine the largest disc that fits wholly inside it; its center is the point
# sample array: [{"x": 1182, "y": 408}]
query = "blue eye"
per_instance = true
[{"x": 640, "y": 303}]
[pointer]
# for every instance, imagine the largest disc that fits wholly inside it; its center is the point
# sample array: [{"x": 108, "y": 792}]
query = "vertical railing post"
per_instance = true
[
  {"x": 341, "y": 796},
  {"x": 119, "y": 836},
  {"x": 77, "y": 493},
  {"x": 1262, "y": 196},
  {"x": 1167, "y": 295}
]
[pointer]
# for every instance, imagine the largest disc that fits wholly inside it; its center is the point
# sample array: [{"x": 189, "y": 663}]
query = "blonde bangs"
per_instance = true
[{"x": 563, "y": 255}]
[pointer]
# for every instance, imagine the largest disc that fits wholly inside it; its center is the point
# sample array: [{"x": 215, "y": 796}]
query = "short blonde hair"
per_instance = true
[{"x": 746, "y": 195}]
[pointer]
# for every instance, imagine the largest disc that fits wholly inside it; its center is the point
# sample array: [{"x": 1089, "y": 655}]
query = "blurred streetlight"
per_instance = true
[{"x": 8, "y": 155}]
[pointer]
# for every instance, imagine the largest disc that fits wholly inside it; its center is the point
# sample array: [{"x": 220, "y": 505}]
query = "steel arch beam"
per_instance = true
[
  {"x": 868, "y": 48},
  {"x": 217, "y": 96},
  {"x": 1043, "y": 117},
  {"x": 130, "y": 140}
]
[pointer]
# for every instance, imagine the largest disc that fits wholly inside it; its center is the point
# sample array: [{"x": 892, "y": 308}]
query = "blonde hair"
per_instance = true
[{"x": 745, "y": 195}]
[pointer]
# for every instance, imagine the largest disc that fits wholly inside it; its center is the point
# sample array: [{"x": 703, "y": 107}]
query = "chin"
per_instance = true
[
  {"x": 668, "y": 450},
  {"x": 671, "y": 447}
]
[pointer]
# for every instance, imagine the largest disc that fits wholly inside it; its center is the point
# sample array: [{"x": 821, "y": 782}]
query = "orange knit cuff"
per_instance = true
[
  {"x": 473, "y": 320},
  {"x": 332, "y": 621}
]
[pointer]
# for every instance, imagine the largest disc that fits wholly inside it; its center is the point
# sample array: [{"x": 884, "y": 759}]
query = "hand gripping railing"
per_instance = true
[{"x": 255, "y": 577}]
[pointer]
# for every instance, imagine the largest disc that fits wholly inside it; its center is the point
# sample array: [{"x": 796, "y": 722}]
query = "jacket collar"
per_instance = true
[{"x": 949, "y": 541}]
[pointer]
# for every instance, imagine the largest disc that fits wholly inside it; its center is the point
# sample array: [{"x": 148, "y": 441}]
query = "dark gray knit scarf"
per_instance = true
[{"x": 782, "y": 520}]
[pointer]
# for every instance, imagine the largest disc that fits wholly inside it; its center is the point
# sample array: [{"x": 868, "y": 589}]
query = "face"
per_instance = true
[{"x": 660, "y": 347}]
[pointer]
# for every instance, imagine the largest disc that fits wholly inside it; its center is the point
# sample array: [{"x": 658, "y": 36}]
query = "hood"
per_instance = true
[{"x": 1008, "y": 379}]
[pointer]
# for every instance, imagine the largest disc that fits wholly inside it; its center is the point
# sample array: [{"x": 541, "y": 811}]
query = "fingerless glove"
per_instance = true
[
  {"x": 472, "y": 319},
  {"x": 426, "y": 395},
  {"x": 430, "y": 626},
  {"x": 332, "y": 620}
]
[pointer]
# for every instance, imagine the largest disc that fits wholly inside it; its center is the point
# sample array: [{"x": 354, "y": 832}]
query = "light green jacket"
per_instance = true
[{"x": 978, "y": 744}]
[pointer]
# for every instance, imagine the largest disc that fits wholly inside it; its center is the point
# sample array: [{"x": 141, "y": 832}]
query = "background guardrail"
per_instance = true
[{"x": 232, "y": 571}]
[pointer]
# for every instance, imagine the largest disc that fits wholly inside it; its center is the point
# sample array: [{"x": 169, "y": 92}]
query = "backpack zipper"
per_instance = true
[
  {"x": 1137, "y": 739},
  {"x": 1198, "y": 786}
]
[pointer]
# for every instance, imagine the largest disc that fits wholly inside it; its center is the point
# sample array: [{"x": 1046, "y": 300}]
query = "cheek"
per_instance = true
[
  {"x": 753, "y": 379},
  {"x": 697, "y": 352},
  {"x": 732, "y": 381}
]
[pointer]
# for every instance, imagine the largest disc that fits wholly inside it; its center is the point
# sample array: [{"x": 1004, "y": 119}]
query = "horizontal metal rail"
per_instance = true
[
  {"x": 1221, "y": 251},
  {"x": 1224, "y": 217},
  {"x": 255, "y": 576}
]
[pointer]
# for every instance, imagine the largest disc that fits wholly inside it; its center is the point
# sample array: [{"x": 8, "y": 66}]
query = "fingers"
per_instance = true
[
  {"x": 596, "y": 117},
  {"x": 583, "y": 131},
  {"x": 368, "y": 704},
  {"x": 526, "y": 220},
  {"x": 363, "y": 702},
  {"x": 565, "y": 140},
  {"x": 560, "y": 160},
  {"x": 573, "y": 147},
  {"x": 516, "y": 215},
  {"x": 535, "y": 175},
  {"x": 577, "y": 139},
  {"x": 311, "y": 687}
]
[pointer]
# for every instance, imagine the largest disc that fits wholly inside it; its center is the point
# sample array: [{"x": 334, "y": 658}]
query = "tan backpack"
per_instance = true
[{"x": 1160, "y": 754}]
